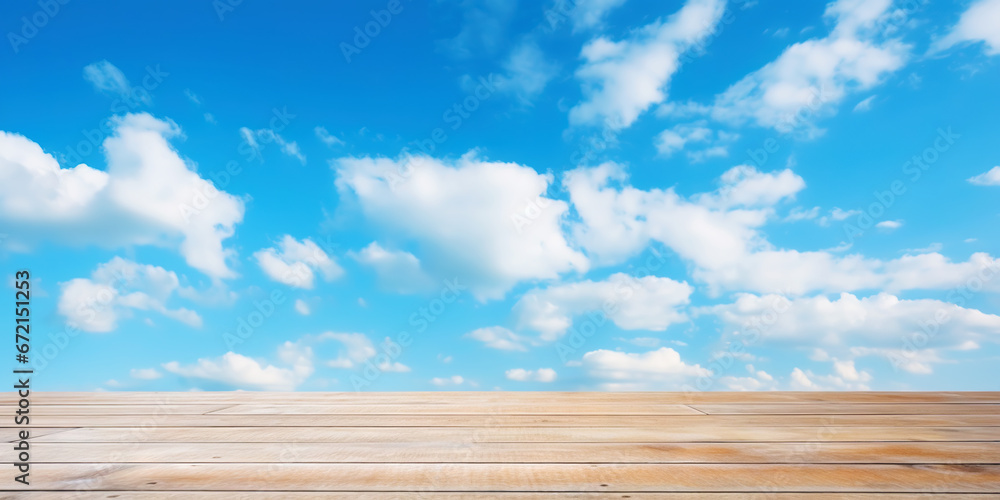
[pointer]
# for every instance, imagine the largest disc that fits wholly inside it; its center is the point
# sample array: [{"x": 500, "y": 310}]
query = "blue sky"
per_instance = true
[{"x": 589, "y": 195}]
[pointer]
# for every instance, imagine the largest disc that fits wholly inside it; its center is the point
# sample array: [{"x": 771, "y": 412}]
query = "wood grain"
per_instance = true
[
  {"x": 516, "y": 446},
  {"x": 521, "y": 477},
  {"x": 284, "y": 434}
]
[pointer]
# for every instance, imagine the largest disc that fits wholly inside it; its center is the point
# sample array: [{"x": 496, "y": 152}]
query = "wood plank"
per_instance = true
[
  {"x": 284, "y": 434},
  {"x": 620, "y": 409},
  {"x": 521, "y": 477},
  {"x": 12, "y": 434},
  {"x": 309, "y": 452},
  {"x": 490, "y": 444},
  {"x": 851, "y": 409},
  {"x": 387, "y": 409},
  {"x": 164, "y": 409},
  {"x": 374, "y": 495},
  {"x": 645, "y": 420}
]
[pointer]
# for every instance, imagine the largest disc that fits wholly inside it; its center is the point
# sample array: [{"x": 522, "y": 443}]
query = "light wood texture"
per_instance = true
[
  {"x": 467, "y": 495},
  {"x": 516, "y": 446}
]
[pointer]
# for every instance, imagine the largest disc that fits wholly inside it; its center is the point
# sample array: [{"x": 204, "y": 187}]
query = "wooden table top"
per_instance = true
[{"x": 511, "y": 445}]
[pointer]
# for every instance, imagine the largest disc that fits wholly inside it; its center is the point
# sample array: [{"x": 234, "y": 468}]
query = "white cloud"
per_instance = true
[
  {"x": 845, "y": 378},
  {"x": 647, "y": 303},
  {"x": 936, "y": 272},
  {"x": 453, "y": 380},
  {"x": 327, "y": 138},
  {"x": 393, "y": 367},
  {"x": 676, "y": 139},
  {"x": 758, "y": 380},
  {"x": 236, "y": 370},
  {"x": 811, "y": 77},
  {"x": 977, "y": 24},
  {"x": 357, "y": 349},
  {"x": 148, "y": 195},
  {"x": 544, "y": 375},
  {"x": 991, "y": 178},
  {"x": 474, "y": 220},
  {"x": 718, "y": 233},
  {"x": 745, "y": 186},
  {"x": 587, "y": 14},
  {"x": 889, "y": 225},
  {"x": 302, "y": 307},
  {"x": 968, "y": 345},
  {"x": 145, "y": 374},
  {"x": 118, "y": 288},
  {"x": 483, "y": 27},
  {"x": 526, "y": 72},
  {"x": 397, "y": 270},
  {"x": 295, "y": 263},
  {"x": 838, "y": 214},
  {"x": 106, "y": 77},
  {"x": 659, "y": 369},
  {"x": 932, "y": 248},
  {"x": 498, "y": 337},
  {"x": 916, "y": 361},
  {"x": 865, "y": 104},
  {"x": 798, "y": 214},
  {"x": 256, "y": 139},
  {"x": 617, "y": 223},
  {"x": 880, "y": 320},
  {"x": 623, "y": 79}
]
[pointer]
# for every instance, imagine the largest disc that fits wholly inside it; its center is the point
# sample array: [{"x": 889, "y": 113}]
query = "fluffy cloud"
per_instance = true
[
  {"x": 990, "y": 178},
  {"x": 453, "y": 380},
  {"x": 107, "y": 78},
  {"x": 623, "y": 79},
  {"x": 757, "y": 380},
  {"x": 114, "y": 290},
  {"x": 486, "y": 223},
  {"x": 540, "y": 375},
  {"x": 357, "y": 349},
  {"x": 936, "y": 272},
  {"x": 327, "y": 138},
  {"x": 500, "y": 338},
  {"x": 483, "y": 27},
  {"x": 236, "y": 370},
  {"x": 526, "y": 72},
  {"x": 682, "y": 136},
  {"x": 879, "y": 320},
  {"x": 397, "y": 270},
  {"x": 659, "y": 369},
  {"x": 647, "y": 303},
  {"x": 845, "y": 378},
  {"x": 977, "y": 24},
  {"x": 719, "y": 234},
  {"x": 811, "y": 77},
  {"x": 889, "y": 225},
  {"x": 295, "y": 263},
  {"x": 587, "y": 14},
  {"x": 148, "y": 195},
  {"x": 302, "y": 307},
  {"x": 916, "y": 361},
  {"x": 616, "y": 223}
]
